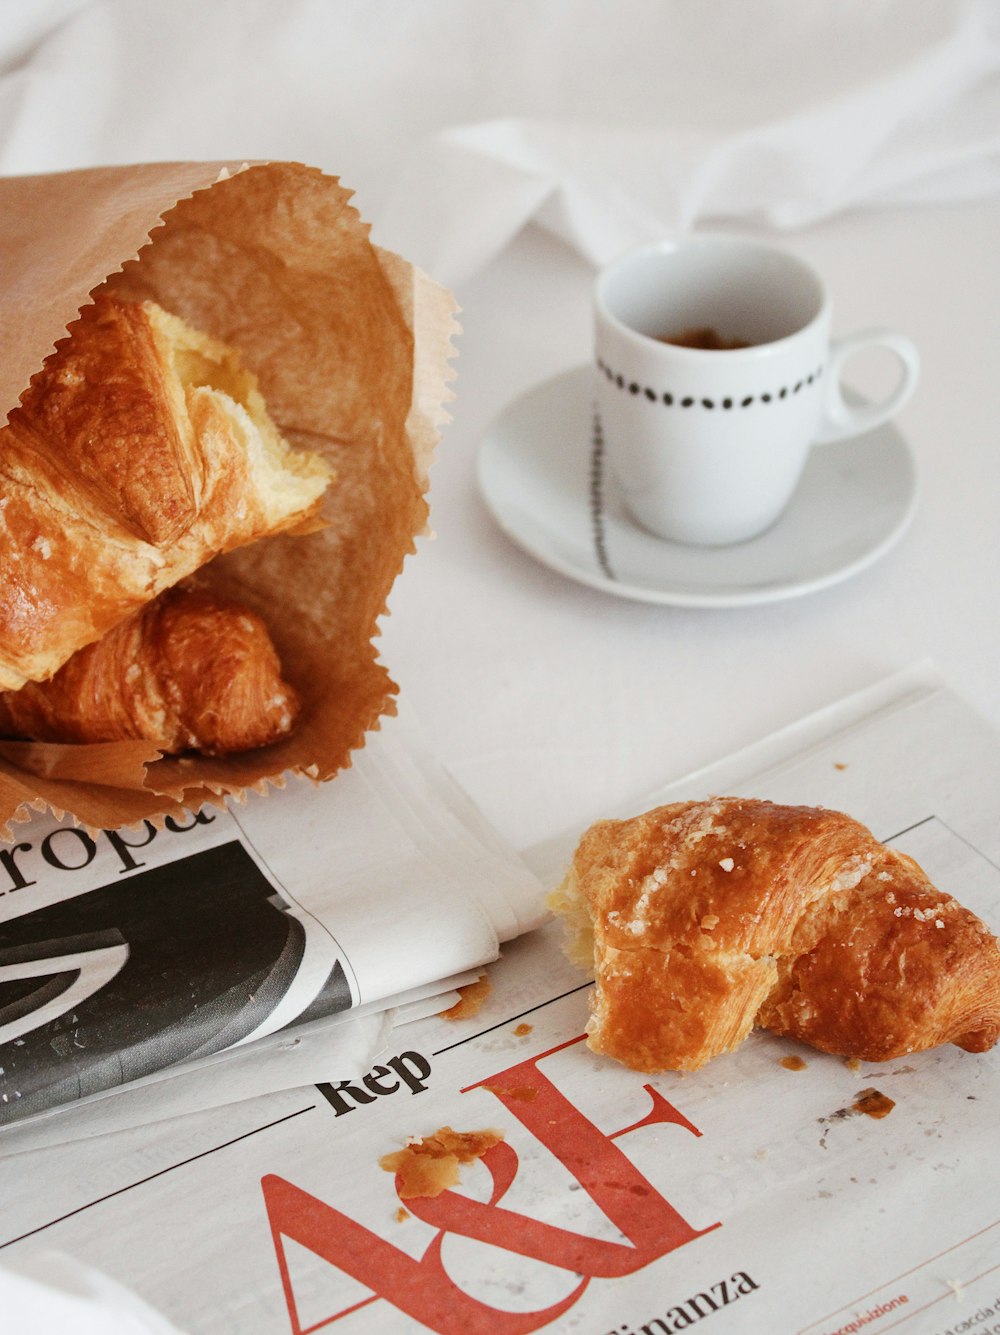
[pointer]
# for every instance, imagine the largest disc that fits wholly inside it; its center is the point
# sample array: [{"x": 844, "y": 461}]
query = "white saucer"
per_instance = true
[{"x": 543, "y": 475}]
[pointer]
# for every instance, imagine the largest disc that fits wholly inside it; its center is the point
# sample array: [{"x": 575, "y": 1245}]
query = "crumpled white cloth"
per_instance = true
[
  {"x": 910, "y": 126},
  {"x": 458, "y": 123},
  {"x": 50, "y": 1293}
]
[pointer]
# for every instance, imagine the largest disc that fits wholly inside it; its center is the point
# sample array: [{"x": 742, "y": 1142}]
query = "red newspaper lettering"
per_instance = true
[
  {"x": 423, "y": 1290},
  {"x": 611, "y": 1180}
]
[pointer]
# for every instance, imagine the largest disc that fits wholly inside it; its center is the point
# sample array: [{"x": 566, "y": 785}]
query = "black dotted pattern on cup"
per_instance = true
[{"x": 726, "y": 403}]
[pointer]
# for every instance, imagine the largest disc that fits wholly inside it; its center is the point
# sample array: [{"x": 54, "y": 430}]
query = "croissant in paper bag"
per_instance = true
[
  {"x": 189, "y": 671},
  {"x": 141, "y": 450},
  {"x": 702, "y": 919}
]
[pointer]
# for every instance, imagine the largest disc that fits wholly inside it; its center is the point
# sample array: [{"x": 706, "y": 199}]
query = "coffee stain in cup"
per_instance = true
[{"x": 704, "y": 337}]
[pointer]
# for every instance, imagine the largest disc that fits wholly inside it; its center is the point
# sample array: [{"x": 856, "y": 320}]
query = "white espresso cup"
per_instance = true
[{"x": 708, "y": 444}]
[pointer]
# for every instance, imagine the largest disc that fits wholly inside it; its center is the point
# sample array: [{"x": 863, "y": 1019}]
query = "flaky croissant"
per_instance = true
[
  {"x": 702, "y": 919},
  {"x": 140, "y": 451},
  {"x": 186, "y": 672}
]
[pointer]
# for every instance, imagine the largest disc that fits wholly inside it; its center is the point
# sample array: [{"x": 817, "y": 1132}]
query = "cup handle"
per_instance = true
[{"x": 841, "y": 418}]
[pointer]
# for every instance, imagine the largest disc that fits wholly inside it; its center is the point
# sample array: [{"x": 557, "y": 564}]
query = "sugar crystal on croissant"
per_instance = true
[{"x": 703, "y": 919}]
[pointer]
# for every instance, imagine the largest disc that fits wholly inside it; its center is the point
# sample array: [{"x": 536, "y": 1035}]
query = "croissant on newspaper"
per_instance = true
[
  {"x": 703, "y": 919},
  {"x": 188, "y": 671},
  {"x": 141, "y": 450}
]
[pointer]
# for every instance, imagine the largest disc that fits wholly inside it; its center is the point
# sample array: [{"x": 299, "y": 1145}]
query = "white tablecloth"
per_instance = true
[{"x": 508, "y": 146}]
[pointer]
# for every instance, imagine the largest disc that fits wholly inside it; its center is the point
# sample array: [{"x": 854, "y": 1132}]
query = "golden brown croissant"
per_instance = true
[
  {"x": 701, "y": 919},
  {"x": 139, "y": 451},
  {"x": 186, "y": 672}
]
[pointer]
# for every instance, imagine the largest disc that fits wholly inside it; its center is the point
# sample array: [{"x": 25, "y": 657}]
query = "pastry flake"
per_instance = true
[{"x": 429, "y": 1165}]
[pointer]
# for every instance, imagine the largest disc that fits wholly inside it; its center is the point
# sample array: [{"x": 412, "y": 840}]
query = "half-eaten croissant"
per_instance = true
[
  {"x": 141, "y": 450},
  {"x": 186, "y": 672},
  {"x": 703, "y": 919}
]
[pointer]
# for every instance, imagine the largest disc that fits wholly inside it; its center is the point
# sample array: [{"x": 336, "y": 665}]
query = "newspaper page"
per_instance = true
[
  {"x": 753, "y": 1195},
  {"x": 126, "y": 954}
]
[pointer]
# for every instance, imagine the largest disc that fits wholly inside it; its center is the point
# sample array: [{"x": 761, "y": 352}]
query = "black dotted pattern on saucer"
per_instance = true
[
  {"x": 687, "y": 401},
  {"x": 597, "y": 496}
]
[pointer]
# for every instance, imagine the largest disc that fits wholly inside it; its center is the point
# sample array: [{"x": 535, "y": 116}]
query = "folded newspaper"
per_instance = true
[
  {"x": 751, "y": 1195},
  {"x": 234, "y": 952}
]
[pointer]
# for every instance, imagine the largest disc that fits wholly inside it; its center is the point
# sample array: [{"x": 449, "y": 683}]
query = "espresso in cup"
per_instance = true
[
  {"x": 716, "y": 376},
  {"x": 705, "y": 337}
]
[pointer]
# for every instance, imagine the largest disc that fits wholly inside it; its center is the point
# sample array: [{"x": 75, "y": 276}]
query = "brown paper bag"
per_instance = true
[{"x": 351, "y": 346}]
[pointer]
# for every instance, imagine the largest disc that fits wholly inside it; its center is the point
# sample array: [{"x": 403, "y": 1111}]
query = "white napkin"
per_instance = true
[
  {"x": 49, "y": 1293},
  {"x": 906, "y": 122}
]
